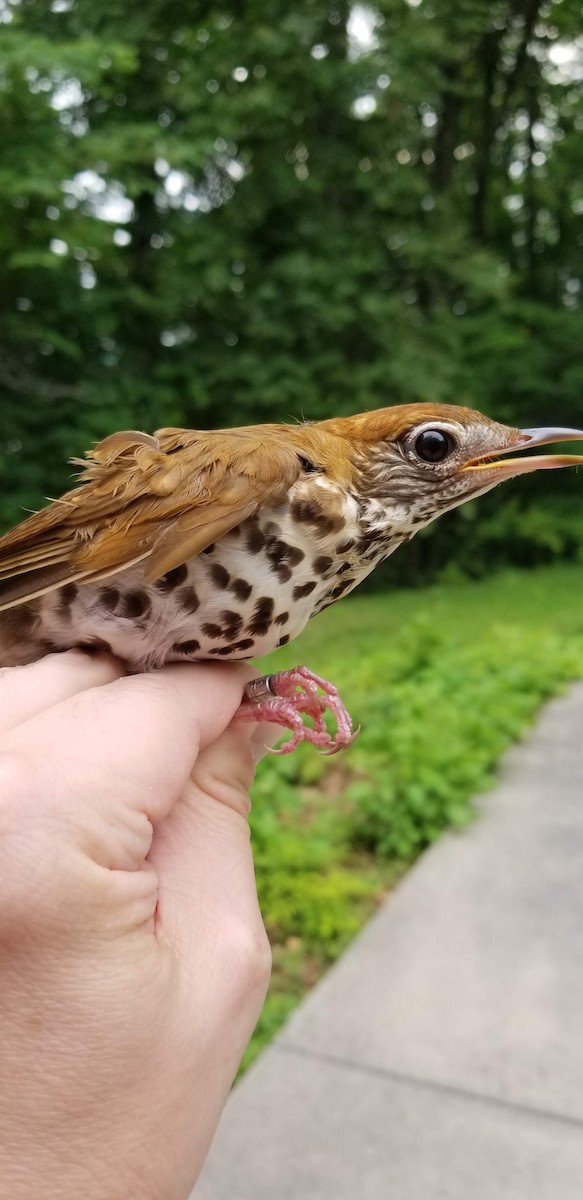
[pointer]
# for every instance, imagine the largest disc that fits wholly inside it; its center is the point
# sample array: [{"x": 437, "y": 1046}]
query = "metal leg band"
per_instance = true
[{"x": 260, "y": 689}]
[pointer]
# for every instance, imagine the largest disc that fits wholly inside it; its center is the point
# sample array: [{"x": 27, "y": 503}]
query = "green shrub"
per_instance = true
[
  {"x": 445, "y": 725},
  {"x": 442, "y": 680}
]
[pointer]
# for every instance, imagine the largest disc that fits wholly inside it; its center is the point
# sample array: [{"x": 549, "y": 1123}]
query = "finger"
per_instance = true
[
  {"x": 204, "y": 842},
  {"x": 203, "y": 849},
  {"x": 27, "y": 691},
  {"x": 132, "y": 743},
  {"x": 208, "y": 924}
]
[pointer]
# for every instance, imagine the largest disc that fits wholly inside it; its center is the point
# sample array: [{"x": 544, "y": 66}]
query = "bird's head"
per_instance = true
[{"x": 416, "y": 461}]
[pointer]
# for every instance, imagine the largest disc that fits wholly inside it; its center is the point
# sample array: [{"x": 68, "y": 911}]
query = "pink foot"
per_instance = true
[{"x": 276, "y": 698}]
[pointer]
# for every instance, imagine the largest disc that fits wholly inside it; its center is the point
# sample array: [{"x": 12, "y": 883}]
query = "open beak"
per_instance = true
[{"x": 508, "y": 467}]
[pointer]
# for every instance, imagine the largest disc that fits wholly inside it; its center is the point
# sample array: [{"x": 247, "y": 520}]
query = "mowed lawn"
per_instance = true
[{"x": 442, "y": 680}]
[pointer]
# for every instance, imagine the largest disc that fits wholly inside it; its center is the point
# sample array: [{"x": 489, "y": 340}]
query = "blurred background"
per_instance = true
[
  {"x": 222, "y": 213},
  {"x": 214, "y": 214}
]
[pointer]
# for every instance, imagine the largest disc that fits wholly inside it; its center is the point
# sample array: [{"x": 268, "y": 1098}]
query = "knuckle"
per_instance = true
[
  {"x": 249, "y": 956},
  {"x": 231, "y": 793}
]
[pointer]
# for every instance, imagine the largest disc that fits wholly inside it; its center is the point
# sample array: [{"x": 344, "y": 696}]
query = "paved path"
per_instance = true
[{"x": 442, "y": 1057}]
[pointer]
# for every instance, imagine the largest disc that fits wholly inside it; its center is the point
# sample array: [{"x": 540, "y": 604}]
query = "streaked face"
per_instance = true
[{"x": 438, "y": 464}]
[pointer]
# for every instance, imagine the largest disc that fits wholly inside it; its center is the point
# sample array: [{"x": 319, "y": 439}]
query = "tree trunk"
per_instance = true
[
  {"x": 489, "y": 55},
  {"x": 447, "y": 132},
  {"x": 530, "y": 192},
  {"x": 528, "y": 10}
]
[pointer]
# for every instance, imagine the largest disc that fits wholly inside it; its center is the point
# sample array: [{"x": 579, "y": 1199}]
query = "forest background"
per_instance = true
[{"x": 214, "y": 214}]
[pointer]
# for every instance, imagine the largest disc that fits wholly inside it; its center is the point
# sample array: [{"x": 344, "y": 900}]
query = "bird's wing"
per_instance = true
[{"x": 162, "y": 499}]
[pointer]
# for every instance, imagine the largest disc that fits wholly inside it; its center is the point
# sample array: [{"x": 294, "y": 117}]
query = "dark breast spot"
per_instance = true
[
  {"x": 94, "y": 645},
  {"x": 344, "y": 547},
  {"x": 304, "y": 510},
  {"x": 283, "y": 641},
  {"x": 66, "y": 597},
  {"x": 262, "y": 617},
  {"x": 68, "y": 593},
  {"x": 255, "y": 540},
  {"x": 308, "y": 512},
  {"x": 229, "y": 617},
  {"x": 135, "y": 604},
  {"x": 282, "y": 619},
  {"x": 188, "y": 599},
  {"x": 212, "y": 631},
  {"x": 172, "y": 579},
  {"x": 232, "y": 624},
  {"x": 303, "y": 589},
  {"x": 129, "y": 605},
  {"x": 244, "y": 644},
  {"x": 280, "y": 556},
  {"x": 240, "y": 589},
  {"x": 219, "y": 575},
  {"x": 190, "y": 647},
  {"x": 340, "y": 589},
  {"x": 322, "y": 564},
  {"x": 294, "y": 555}
]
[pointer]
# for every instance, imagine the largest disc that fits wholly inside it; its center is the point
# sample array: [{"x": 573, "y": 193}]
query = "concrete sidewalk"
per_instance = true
[{"x": 442, "y": 1058}]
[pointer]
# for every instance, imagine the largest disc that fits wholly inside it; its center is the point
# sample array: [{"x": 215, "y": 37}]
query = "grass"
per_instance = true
[{"x": 442, "y": 680}]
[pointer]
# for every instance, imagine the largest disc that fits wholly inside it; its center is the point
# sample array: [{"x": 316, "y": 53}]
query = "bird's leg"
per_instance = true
[{"x": 288, "y": 696}]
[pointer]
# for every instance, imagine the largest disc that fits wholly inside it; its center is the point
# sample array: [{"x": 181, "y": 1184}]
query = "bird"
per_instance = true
[{"x": 222, "y": 544}]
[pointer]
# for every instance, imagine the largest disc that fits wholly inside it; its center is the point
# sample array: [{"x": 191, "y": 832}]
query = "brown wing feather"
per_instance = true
[{"x": 162, "y": 498}]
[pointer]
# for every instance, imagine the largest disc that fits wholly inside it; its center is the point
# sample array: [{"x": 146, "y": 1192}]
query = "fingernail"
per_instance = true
[{"x": 263, "y": 738}]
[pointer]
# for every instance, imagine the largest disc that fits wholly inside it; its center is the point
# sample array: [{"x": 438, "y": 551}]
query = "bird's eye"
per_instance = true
[{"x": 433, "y": 445}]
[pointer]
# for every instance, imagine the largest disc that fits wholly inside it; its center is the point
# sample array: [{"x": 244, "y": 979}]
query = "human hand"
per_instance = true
[{"x": 133, "y": 958}]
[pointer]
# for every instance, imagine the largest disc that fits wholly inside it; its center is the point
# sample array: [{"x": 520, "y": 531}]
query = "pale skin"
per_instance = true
[{"x": 133, "y": 957}]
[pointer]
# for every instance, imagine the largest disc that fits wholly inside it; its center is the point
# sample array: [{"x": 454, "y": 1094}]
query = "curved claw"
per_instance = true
[
  {"x": 286, "y": 697},
  {"x": 337, "y": 746}
]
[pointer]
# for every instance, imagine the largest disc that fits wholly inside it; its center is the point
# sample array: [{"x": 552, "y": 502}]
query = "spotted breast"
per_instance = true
[
  {"x": 244, "y": 596},
  {"x": 221, "y": 544}
]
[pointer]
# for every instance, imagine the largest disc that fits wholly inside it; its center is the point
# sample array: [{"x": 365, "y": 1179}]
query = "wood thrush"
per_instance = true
[{"x": 222, "y": 544}]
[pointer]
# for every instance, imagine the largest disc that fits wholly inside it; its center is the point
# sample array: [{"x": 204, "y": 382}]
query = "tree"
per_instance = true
[{"x": 222, "y": 213}]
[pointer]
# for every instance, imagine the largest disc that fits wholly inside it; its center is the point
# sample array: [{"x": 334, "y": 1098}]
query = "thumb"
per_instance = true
[{"x": 202, "y": 853}]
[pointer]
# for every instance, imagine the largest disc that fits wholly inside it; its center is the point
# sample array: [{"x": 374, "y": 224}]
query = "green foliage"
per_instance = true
[
  {"x": 215, "y": 214},
  {"x": 442, "y": 680},
  {"x": 305, "y": 891},
  {"x": 443, "y": 721}
]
